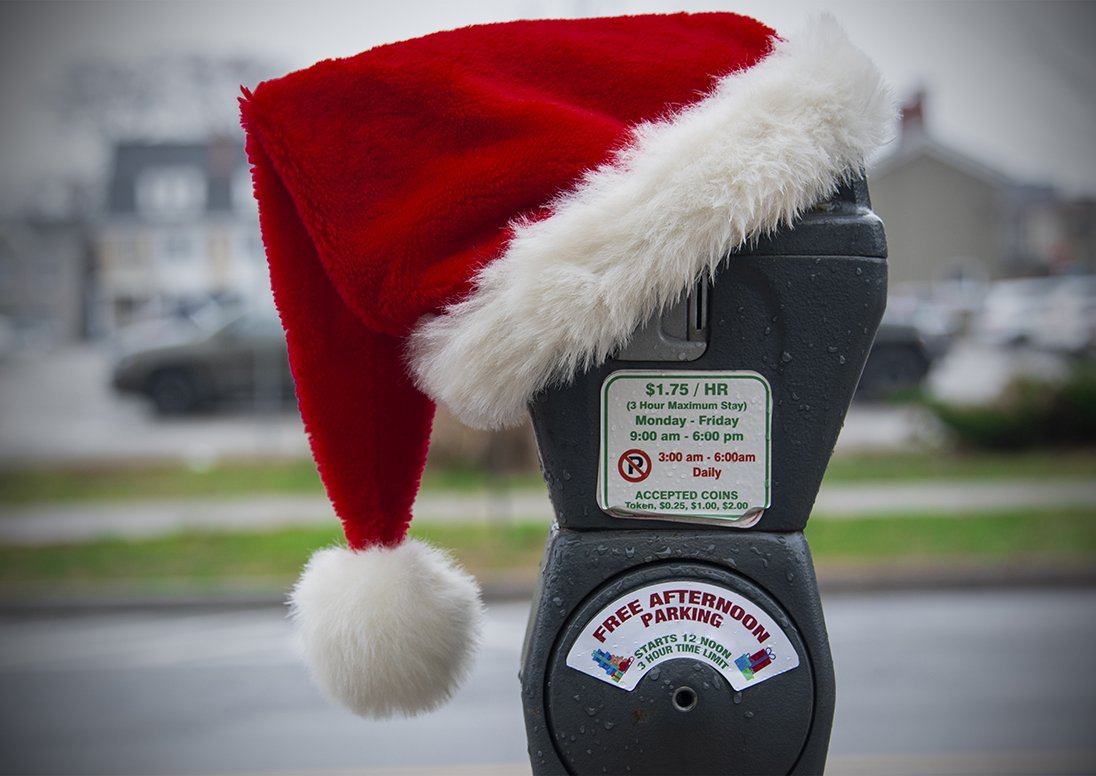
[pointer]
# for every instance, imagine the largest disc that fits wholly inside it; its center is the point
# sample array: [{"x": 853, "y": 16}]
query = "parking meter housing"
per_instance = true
[{"x": 800, "y": 308}]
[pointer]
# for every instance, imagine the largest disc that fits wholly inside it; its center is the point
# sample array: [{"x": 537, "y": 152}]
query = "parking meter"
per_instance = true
[{"x": 677, "y": 626}]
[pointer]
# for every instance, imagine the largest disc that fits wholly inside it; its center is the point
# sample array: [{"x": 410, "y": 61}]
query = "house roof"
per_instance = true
[
  {"x": 919, "y": 144},
  {"x": 218, "y": 160}
]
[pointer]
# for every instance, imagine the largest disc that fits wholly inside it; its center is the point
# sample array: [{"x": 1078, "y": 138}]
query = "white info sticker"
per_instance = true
[
  {"x": 689, "y": 446},
  {"x": 682, "y": 618}
]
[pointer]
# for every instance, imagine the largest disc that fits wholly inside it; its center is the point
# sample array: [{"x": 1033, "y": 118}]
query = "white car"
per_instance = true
[
  {"x": 1067, "y": 322},
  {"x": 1013, "y": 310}
]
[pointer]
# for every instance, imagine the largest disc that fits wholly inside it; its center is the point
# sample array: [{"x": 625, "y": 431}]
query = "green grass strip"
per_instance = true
[
  {"x": 275, "y": 557},
  {"x": 70, "y": 484},
  {"x": 1066, "y": 533},
  {"x": 958, "y": 465},
  {"x": 232, "y": 479}
]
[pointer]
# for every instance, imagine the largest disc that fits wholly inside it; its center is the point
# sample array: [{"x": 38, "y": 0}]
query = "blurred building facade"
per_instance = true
[
  {"x": 951, "y": 217},
  {"x": 45, "y": 275},
  {"x": 179, "y": 227}
]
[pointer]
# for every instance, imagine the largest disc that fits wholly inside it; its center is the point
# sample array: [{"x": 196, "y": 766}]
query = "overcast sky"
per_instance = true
[{"x": 1010, "y": 83}]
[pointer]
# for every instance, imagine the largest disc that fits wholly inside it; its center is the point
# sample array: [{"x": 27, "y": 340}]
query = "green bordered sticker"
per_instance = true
[{"x": 687, "y": 446}]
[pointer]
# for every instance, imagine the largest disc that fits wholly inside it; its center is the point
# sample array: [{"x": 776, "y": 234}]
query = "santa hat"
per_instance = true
[{"x": 473, "y": 216}]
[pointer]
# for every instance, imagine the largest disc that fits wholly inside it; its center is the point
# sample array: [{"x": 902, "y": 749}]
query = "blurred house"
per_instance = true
[
  {"x": 952, "y": 217},
  {"x": 179, "y": 227},
  {"x": 1048, "y": 233},
  {"x": 44, "y": 277}
]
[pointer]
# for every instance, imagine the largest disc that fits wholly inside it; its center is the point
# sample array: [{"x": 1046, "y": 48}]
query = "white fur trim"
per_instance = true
[
  {"x": 764, "y": 146},
  {"x": 387, "y": 631}
]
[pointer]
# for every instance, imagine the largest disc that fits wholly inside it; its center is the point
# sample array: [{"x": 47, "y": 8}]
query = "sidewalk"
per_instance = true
[{"x": 48, "y": 524}]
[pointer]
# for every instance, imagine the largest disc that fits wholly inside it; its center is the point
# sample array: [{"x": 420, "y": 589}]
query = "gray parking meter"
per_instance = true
[{"x": 677, "y": 626}]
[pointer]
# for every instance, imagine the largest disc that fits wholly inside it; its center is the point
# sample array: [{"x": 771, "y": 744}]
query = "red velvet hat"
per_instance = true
[{"x": 473, "y": 216}]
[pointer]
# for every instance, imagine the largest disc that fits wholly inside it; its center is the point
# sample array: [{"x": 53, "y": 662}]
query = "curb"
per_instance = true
[{"x": 842, "y": 578}]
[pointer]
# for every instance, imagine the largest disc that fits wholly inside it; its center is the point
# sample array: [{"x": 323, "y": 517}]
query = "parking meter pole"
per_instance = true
[{"x": 677, "y": 626}]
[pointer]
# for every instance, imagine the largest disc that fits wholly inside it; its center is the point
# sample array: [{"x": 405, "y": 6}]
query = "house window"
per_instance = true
[
  {"x": 171, "y": 192},
  {"x": 243, "y": 195},
  {"x": 179, "y": 246}
]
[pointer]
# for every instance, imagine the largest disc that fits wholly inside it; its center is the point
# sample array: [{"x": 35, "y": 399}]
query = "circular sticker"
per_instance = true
[
  {"x": 682, "y": 618},
  {"x": 667, "y": 669}
]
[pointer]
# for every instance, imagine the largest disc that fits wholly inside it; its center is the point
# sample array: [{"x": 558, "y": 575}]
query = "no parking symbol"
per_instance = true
[{"x": 634, "y": 465}]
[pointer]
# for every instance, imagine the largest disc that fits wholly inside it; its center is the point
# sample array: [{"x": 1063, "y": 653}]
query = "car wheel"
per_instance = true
[{"x": 173, "y": 392}]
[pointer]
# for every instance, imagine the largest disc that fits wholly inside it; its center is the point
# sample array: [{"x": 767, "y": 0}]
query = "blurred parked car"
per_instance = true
[
  {"x": 1055, "y": 313},
  {"x": 1012, "y": 310},
  {"x": 180, "y": 323},
  {"x": 1067, "y": 321},
  {"x": 938, "y": 325},
  {"x": 899, "y": 361},
  {"x": 243, "y": 359}
]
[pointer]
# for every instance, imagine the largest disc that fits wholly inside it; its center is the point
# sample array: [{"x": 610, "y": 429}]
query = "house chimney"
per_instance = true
[{"x": 913, "y": 117}]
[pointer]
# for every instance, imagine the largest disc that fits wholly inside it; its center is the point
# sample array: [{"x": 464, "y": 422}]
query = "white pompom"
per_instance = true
[{"x": 387, "y": 631}]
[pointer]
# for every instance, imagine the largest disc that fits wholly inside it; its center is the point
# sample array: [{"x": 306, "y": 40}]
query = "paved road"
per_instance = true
[{"x": 959, "y": 682}]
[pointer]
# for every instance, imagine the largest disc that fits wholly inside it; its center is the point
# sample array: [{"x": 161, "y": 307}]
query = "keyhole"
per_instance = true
[{"x": 684, "y": 699}]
